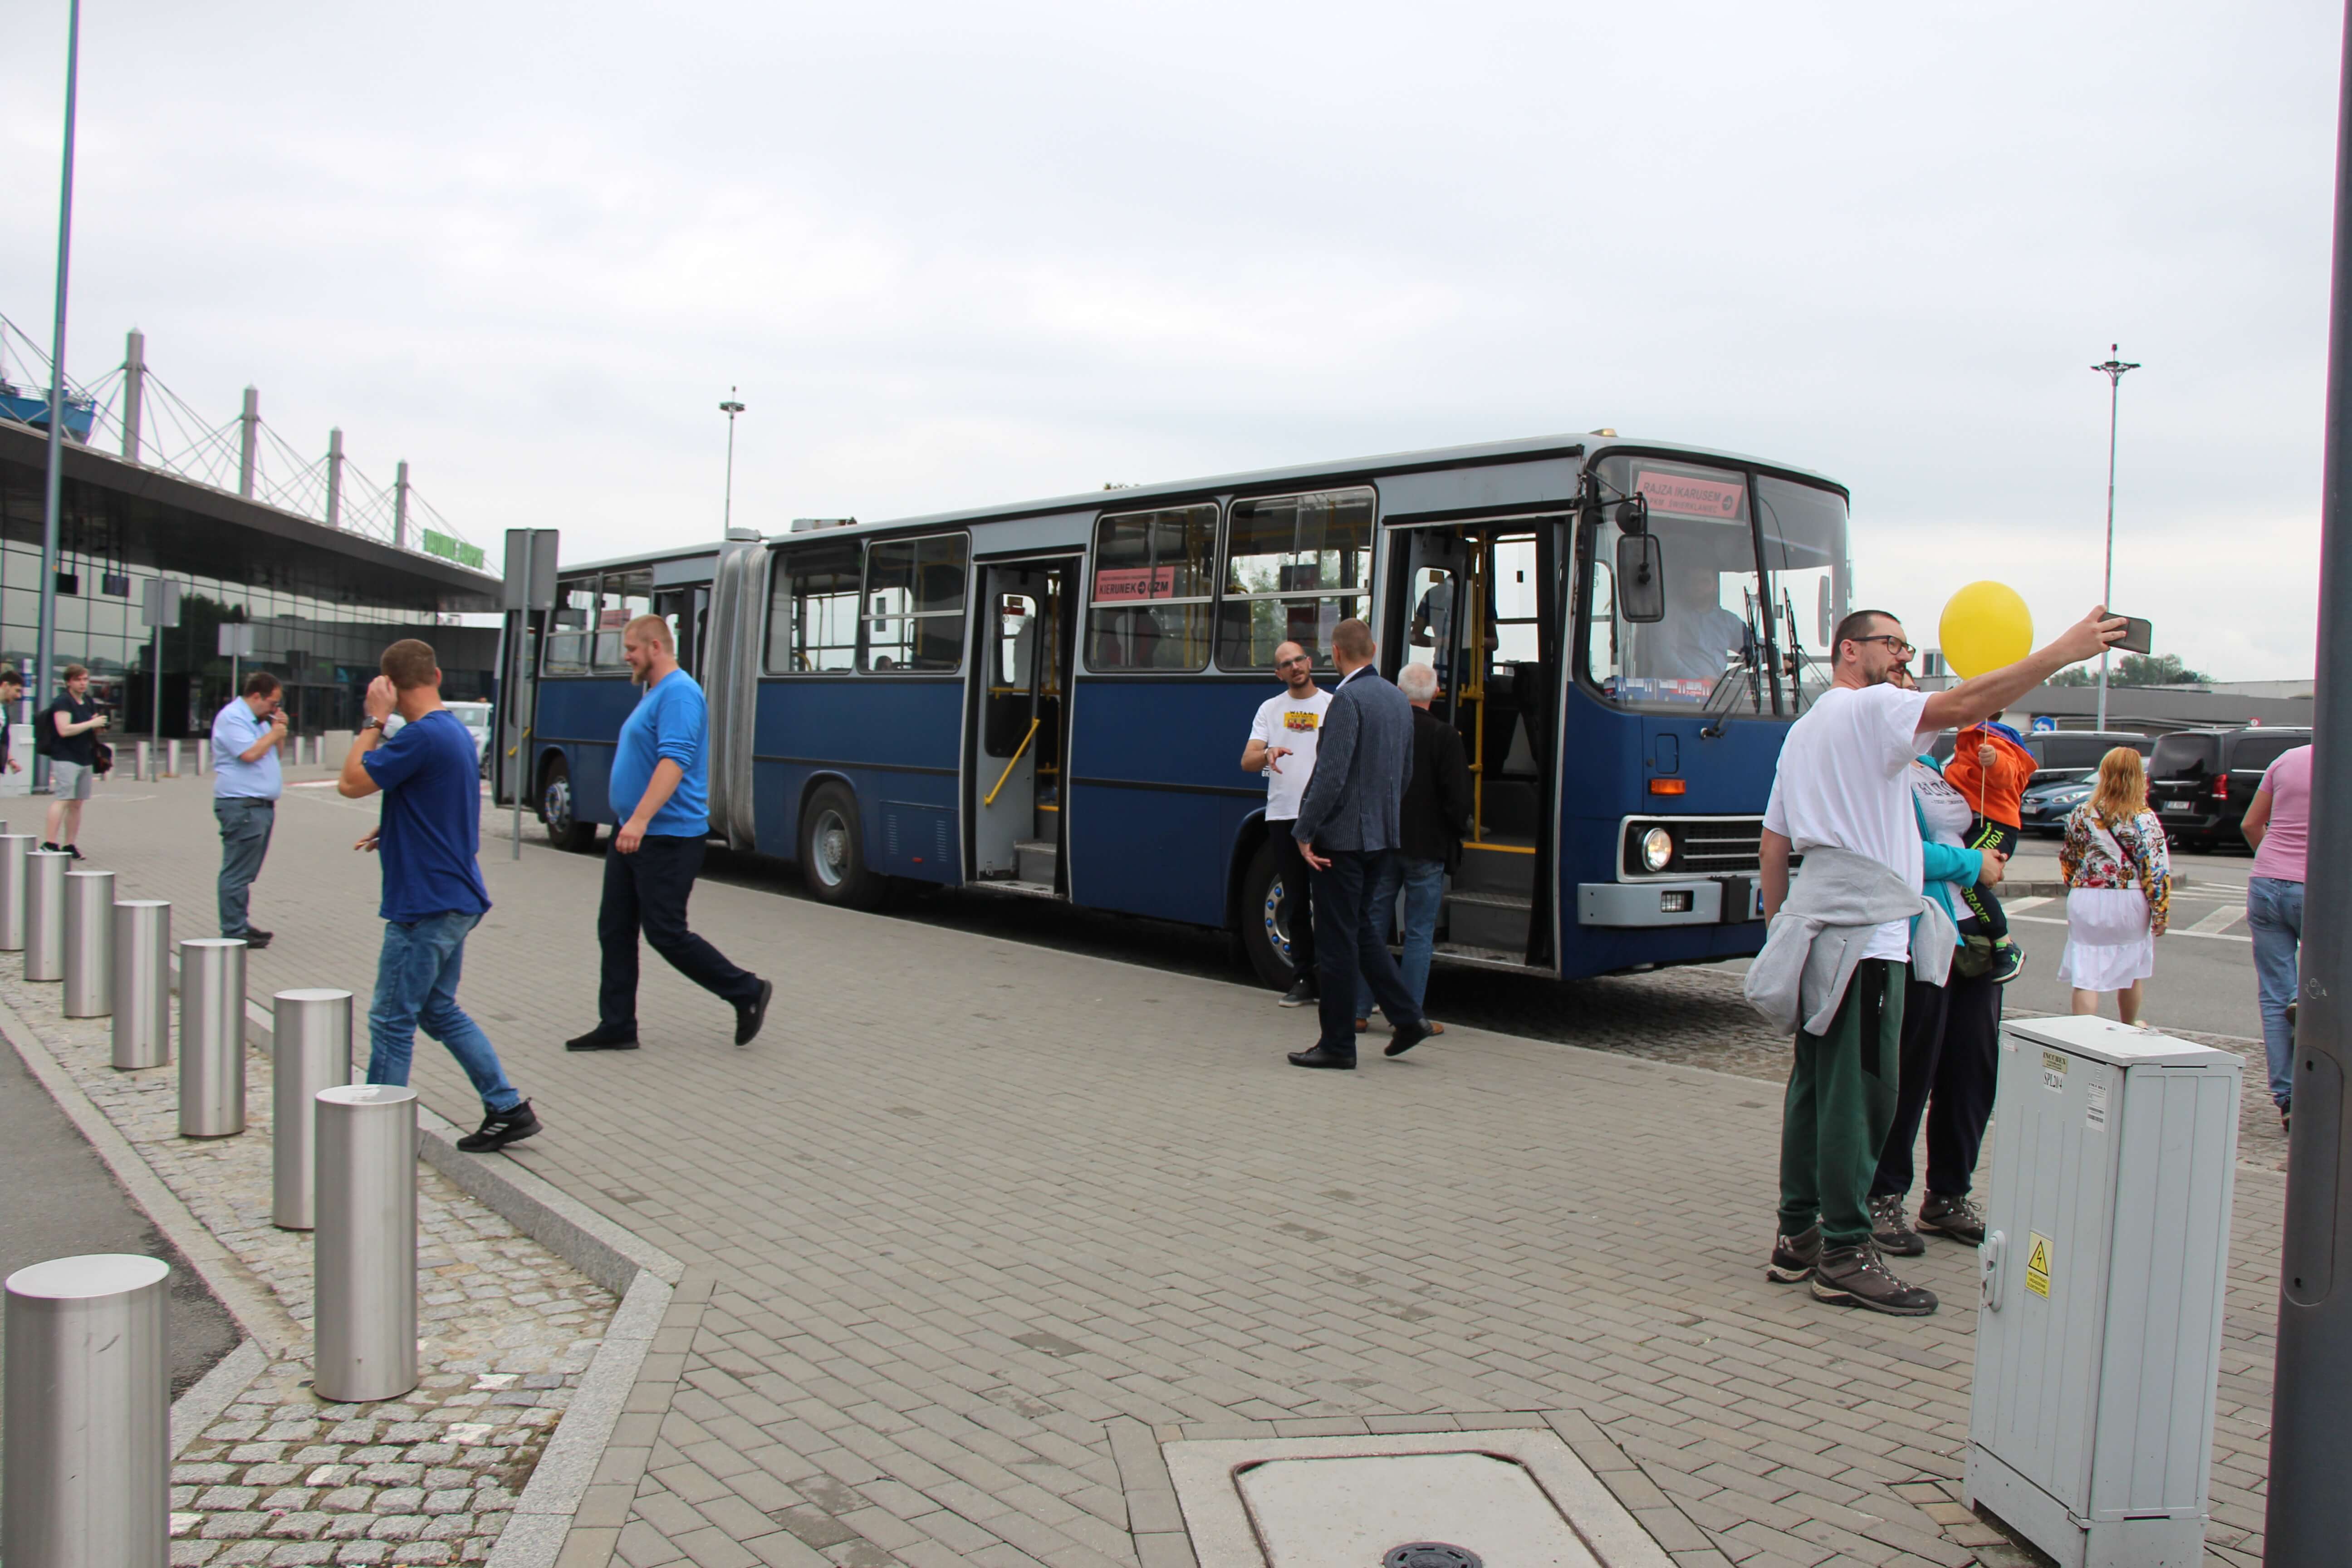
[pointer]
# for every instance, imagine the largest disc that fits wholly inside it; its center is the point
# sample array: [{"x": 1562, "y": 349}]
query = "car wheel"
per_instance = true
[
  {"x": 832, "y": 854},
  {"x": 1265, "y": 919},
  {"x": 563, "y": 830}
]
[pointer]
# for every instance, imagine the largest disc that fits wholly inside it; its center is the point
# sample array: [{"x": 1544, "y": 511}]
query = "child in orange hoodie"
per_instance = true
[{"x": 1990, "y": 767}]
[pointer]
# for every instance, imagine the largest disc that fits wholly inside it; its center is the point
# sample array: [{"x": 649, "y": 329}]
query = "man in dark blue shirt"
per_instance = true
[
  {"x": 433, "y": 892},
  {"x": 660, "y": 787}
]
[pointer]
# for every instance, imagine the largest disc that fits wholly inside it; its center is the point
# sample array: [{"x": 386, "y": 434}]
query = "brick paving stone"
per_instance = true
[{"x": 966, "y": 1193}]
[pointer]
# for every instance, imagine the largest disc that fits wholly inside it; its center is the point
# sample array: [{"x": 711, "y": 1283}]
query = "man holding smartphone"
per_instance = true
[{"x": 245, "y": 736}]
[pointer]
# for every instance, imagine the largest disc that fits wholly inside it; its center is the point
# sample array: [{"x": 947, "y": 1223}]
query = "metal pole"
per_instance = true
[
  {"x": 2310, "y": 1441},
  {"x": 335, "y": 477},
  {"x": 364, "y": 1257},
  {"x": 14, "y": 873},
  {"x": 212, "y": 1036},
  {"x": 731, "y": 407},
  {"x": 134, "y": 390},
  {"x": 45, "y": 914},
  {"x": 249, "y": 424},
  {"x": 40, "y": 682},
  {"x": 2113, "y": 371},
  {"x": 157, "y": 714},
  {"x": 400, "y": 504},
  {"x": 310, "y": 1050},
  {"x": 89, "y": 1414},
  {"x": 89, "y": 944},
  {"x": 142, "y": 983}
]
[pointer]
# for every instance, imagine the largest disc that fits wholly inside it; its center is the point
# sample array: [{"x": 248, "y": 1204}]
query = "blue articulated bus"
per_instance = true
[{"x": 1051, "y": 699}]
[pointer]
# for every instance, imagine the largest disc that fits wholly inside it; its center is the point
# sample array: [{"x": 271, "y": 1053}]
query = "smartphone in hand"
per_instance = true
[{"x": 2140, "y": 636}]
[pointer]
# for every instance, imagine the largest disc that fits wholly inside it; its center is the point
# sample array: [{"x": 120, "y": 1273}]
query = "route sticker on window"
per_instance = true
[
  {"x": 2054, "y": 1070},
  {"x": 2037, "y": 1265},
  {"x": 2094, "y": 1113},
  {"x": 1687, "y": 495}
]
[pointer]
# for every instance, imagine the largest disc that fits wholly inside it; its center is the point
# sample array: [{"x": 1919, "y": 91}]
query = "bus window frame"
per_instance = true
[
  {"x": 598, "y": 665},
  {"x": 1367, "y": 591},
  {"x": 585, "y": 667},
  {"x": 866, "y": 620},
  {"x": 779, "y": 576},
  {"x": 1088, "y": 607}
]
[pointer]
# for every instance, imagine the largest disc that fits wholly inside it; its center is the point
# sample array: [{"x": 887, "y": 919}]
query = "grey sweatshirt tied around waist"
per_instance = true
[{"x": 1817, "y": 940}]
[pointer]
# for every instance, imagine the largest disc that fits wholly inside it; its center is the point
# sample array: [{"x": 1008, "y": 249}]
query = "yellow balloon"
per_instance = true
[{"x": 1985, "y": 627}]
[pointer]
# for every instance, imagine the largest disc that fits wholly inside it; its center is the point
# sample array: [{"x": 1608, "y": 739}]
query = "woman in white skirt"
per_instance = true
[{"x": 2119, "y": 887}]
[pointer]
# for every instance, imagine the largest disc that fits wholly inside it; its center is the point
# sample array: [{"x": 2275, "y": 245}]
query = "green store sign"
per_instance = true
[{"x": 449, "y": 549}]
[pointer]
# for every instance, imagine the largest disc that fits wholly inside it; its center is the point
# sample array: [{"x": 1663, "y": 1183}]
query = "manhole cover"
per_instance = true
[{"x": 1430, "y": 1554}]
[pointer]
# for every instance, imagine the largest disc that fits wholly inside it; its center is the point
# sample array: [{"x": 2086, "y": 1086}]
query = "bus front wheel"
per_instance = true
[
  {"x": 1265, "y": 919},
  {"x": 833, "y": 856},
  {"x": 563, "y": 830}
]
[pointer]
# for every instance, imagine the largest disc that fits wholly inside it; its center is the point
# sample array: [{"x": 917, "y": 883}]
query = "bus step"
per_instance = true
[
  {"x": 1496, "y": 870},
  {"x": 1034, "y": 860},
  {"x": 1489, "y": 919}
]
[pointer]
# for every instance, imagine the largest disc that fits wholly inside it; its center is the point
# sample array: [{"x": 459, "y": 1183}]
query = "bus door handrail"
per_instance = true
[{"x": 991, "y": 798}]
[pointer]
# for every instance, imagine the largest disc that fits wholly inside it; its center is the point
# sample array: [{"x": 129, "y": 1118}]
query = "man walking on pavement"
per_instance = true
[
  {"x": 1840, "y": 948},
  {"x": 246, "y": 734},
  {"x": 433, "y": 894},
  {"x": 661, "y": 779},
  {"x": 69, "y": 737},
  {"x": 1436, "y": 816},
  {"x": 1282, "y": 747},
  {"x": 1347, "y": 826}
]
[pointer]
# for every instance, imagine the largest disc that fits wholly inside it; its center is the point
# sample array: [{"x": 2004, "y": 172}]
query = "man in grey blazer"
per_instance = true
[{"x": 1347, "y": 826}]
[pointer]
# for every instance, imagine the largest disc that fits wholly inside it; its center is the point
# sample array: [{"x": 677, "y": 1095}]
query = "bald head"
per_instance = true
[{"x": 1294, "y": 667}]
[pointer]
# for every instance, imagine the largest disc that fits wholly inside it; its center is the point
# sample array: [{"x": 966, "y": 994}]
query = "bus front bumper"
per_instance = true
[{"x": 1700, "y": 902}]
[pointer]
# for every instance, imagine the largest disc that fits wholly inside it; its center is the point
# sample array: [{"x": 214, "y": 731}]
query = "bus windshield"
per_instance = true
[{"x": 1801, "y": 529}]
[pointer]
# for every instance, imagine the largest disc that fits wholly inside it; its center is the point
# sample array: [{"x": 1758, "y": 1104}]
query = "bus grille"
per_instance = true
[{"x": 1703, "y": 847}]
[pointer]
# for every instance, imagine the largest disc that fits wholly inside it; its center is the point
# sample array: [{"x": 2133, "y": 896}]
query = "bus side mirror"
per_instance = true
[{"x": 1641, "y": 578}]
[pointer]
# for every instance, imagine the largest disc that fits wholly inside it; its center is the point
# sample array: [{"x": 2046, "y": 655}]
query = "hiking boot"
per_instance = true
[
  {"x": 500, "y": 1128},
  {"x": 2008, "y": 962},
  {"x": 1793, "y": 1257},
  {"x": 1890, "y": 1230},
  {"x": 1956, "y": 1216},
  {"x": 1300, "y": 995},
  {"x": 1858, "y": 1277}
]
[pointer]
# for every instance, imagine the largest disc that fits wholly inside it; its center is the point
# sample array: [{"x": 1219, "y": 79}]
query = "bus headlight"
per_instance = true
[{"x": 1657, "y": 848}]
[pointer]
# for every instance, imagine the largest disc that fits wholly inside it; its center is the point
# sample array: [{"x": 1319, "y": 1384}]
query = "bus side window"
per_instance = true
[
  {"x": 812, "y": 609},
  {"x": 1152, "y": 589},
  {"x": 567, "y": 627},
  {"x": 914, "y": 604},
  {"x": 1295, "y": 566},
  {"x": 626, "y": 596}
]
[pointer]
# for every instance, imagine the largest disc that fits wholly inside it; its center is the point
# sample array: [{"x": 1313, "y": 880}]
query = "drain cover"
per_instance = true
[{"x": 1430, "y": 1554}]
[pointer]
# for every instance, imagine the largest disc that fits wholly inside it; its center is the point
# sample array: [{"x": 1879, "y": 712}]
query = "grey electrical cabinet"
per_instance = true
[{"x": 2106, "y": 1244}]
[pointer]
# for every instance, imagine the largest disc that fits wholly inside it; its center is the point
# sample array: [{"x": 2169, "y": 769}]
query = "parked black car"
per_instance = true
[
  {"x": 2200, "y": 780},
  {"x": 2068, "y": 758}
]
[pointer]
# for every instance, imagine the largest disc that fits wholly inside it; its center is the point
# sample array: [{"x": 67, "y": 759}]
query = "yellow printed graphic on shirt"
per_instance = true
[{"x": 1302, "y": 718}]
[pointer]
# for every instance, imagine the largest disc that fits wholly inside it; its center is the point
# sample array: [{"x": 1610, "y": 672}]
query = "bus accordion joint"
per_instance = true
[
  {"x": 991, "y": 799},
  {"x": 1666, "y": 786}
]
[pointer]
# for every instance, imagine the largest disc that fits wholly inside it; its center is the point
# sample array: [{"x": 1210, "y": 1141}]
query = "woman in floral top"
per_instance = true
[{"x": 2119, "y": 887}]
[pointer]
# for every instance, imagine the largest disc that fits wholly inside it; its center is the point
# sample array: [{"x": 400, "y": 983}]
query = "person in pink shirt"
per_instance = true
[{"x": 2278, "y": 825}]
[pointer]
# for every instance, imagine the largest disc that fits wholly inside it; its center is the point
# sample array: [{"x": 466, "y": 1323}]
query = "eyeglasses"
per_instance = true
[{"x": 1894, "y": 645}]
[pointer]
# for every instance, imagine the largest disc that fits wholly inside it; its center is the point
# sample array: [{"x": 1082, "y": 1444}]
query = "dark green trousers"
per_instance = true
[{"x": 1841, "y": 1102}]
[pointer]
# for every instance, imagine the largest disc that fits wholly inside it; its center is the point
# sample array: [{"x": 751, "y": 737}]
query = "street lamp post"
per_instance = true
[
  {"x": 45, "y": 638},
  {"x": 731, "y": 408},
  {"x": 2113, "y": 371}
]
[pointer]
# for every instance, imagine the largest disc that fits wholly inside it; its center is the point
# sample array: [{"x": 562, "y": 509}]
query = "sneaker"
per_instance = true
[
  {"x": 255, "y": 939},
  {"x": 1793, "y": 1257},
  {"x": 1858, "y": 1277},
  {"x": 500, "y": 1128},
  {"x": 1300, "y": 995},
  {"x": 52, "y": 847},
  {"x": 1890, "y": 1230},
  {"x": 2008, "y": 962},
  {"x": 74, "y": 851},
  {"x": 1957, "y": 1217},
  {"x": 601, "y": 1038},
  {"x": 753, "y": 1014}
]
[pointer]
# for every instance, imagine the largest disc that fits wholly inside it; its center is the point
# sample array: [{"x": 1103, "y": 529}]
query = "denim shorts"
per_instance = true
[{"x": 69, "y": 781}]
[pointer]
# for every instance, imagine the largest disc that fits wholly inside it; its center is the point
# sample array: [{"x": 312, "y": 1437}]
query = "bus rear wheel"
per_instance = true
[
  {"x": 833, "y": 855},
  {"x": 563, "y": 830},
  {"x": 1265, "y": 919}
]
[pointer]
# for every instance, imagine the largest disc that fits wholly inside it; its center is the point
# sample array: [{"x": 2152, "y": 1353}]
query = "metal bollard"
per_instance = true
[
  {"x": 89, "y": 1414},
  {"x": 171, "y": 759},
  {"x": 142, "y": 983},
  {"x": 14, "y": 847},
  {"x": 140, "y": 766},
  {"x": 45, "y": 914},
  {"x": 89, "y": 944},
  {"x": 203, "y": 757},
  {"x": 310, "y": 1050},
  {"x": 364, "y": 1260},
  {"x": 212, "y": 1036}
]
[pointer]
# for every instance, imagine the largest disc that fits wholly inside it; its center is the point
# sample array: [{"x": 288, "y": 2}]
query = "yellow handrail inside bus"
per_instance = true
[{"x": 1007, "y": 773}]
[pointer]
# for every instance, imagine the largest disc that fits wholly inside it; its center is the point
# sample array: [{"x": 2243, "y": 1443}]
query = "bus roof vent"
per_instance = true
[
  {"x": 811, "y": 524},
  {"x": 744, "y": 536}
]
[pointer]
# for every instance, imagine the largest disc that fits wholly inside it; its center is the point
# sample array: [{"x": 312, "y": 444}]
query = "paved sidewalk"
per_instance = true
[{"x": 973, "y": 1222}]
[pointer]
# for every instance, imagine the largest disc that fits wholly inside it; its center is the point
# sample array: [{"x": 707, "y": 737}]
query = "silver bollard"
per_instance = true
[
  {"x": 45, "y": 914},
  {"x": 310, "y": 1049},
  {"x": 212, "y": 1036},
  {"x": 89, "y": 944},
  {"x": 89, "y": 1414},
  {"x": 140, "y": 767},
  {"x": 364, "y": 1257},
  {"x": 203, "y": 757},
  {"x": 142, "y": 983},
  {"x": 14, "y": 847},
  {"x": 171, "y": 759}
]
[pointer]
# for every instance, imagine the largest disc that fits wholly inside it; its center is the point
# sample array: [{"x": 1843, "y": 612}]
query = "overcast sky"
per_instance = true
[{"x": 955, "y": 255}]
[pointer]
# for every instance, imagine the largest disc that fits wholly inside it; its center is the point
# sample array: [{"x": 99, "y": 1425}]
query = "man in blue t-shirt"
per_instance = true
[
  {"x": 433, "y": 892},
  {"x": 660, "y": 788}
]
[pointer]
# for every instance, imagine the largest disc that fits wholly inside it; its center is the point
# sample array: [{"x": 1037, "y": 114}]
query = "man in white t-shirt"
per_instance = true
[
  {"x": 1843, "y": 785},
  {"x": 1282, "y": 747}
]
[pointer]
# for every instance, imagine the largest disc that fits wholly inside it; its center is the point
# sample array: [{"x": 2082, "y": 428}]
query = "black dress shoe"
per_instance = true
[
  {"x": 1320, "y": 1057},
  {"x": 255, "y": 939},
  {"x": 1408, "y": 1036},
  {"x": 752, "y": 1014},
  {"x": 602, "y": 1039}
]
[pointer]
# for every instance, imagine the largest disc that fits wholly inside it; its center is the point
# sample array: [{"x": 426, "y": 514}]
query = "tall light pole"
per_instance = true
[
  {"x": 45, "y": 641},
  {"x": 731, "y": 408},
  {"x": 2113, "y": 371}
]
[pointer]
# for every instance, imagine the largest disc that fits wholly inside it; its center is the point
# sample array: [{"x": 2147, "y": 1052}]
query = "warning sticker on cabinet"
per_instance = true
[
  {"x": 2095, "y": 1108},
  {"x": 2054, "y": 1070},
  {"x": 2037, "y": 1265}
]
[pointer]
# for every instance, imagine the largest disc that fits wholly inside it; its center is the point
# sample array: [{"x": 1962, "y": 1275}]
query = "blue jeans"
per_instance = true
[
  {"x": 1423, "y": 882},
  {"x": 416, "y": 988},
  {"x": 244, "y": 825},
  {"x": 2274, "y": 916}
]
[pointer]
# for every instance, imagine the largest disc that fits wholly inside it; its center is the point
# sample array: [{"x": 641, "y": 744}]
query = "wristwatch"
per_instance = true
[{"x": 372, "y": 724}]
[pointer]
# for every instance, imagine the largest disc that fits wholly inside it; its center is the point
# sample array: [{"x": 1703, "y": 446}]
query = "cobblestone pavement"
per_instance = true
[
  {"x": 975, "y": 1222},
  {"x": 280, "y": 1477}
]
